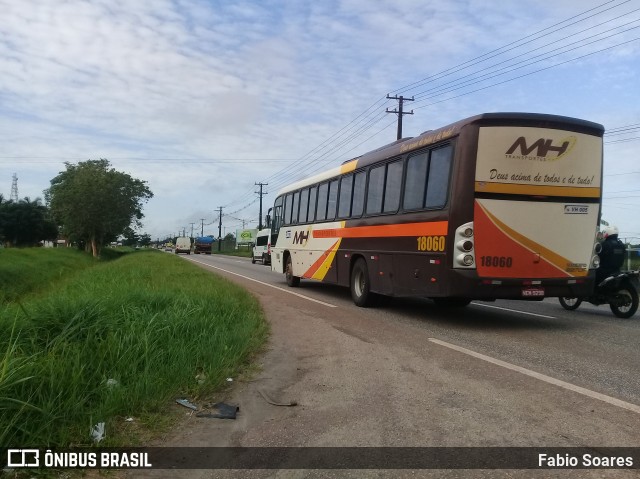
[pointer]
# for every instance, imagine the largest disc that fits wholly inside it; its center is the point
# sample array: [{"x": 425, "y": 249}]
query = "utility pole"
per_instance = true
[
  {"x": 201, "y": 227},
  {"x": 220, "y": 229},
  {"x": 261, "y": 195},
  {"x": 399, "y": 111},
  {"x": 192, "y": 229}
]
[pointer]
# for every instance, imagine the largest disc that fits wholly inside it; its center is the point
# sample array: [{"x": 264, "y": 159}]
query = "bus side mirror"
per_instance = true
[{"x": 268, "y": 221}]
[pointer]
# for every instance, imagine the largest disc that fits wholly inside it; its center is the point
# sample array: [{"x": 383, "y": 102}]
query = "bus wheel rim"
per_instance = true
[{"x": 359, "y": 283}]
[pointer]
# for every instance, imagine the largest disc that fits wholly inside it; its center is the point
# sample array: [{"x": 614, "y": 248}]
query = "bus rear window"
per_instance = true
[
  {"x": 427, "y": 179},
  {"x": 438, "y": 183}
]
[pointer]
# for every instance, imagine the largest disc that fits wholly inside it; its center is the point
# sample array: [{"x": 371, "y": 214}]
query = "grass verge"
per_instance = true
[
  {"x": 27, "y": 270},
  {"x": 121, "y": 339}
]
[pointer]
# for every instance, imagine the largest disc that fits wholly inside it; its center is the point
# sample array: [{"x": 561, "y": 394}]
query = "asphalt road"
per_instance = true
[{"x": 407, "y": 373}]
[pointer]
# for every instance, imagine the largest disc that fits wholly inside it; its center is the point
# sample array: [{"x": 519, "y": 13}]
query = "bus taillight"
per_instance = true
[{"x": 464, "y": 242}]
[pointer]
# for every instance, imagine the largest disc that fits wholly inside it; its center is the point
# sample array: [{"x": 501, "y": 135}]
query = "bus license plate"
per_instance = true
[{"x": 533, "y": 292}]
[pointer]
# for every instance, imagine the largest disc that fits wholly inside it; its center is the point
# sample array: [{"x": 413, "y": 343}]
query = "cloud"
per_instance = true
[{"x": 257, "y": 80}]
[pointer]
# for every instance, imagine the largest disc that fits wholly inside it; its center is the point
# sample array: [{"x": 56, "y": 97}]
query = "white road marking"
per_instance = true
[
  {"x": 542, "y": 377},
  {"x": 267, "y": 284},
  {"x": 514, "y": 310}
]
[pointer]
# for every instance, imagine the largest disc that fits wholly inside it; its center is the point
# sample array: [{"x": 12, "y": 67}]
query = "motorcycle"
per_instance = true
[{"x": 616, "y": 290}]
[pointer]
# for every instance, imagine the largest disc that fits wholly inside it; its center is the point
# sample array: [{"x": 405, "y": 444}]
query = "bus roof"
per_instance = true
[{"x": 430, "y": 137}]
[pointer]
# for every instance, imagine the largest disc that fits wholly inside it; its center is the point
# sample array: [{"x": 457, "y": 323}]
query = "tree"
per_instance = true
[
  {"x": 145, "y": 240},
  {"x": 130, "y": 237},
  {"x": 25, "y": 222},
  {"x": 95, "y": 203}
]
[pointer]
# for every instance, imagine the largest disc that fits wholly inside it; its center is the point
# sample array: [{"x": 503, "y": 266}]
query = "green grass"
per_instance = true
[
  {"x": 26, "y": 270},
  {"x": 121, "y": 339}
]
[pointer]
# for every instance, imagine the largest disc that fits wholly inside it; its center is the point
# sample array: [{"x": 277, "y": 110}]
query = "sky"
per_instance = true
[{"x": 203, "y": 99}]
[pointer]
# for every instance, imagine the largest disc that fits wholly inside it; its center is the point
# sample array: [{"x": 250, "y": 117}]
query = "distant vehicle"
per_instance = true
[
  {"x": 168, "y": 247},
  {"x": 203, "y": 245},
  {"x": 262, "y": 248},
  {"x": 183, "y": 245}
]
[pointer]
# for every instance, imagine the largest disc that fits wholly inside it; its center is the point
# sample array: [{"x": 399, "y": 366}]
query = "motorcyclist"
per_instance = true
[{"x": 611, "y": 255}]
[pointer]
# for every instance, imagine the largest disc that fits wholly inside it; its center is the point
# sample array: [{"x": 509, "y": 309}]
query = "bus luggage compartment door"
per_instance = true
[
  {"x": 383, "y": 271},
  {"x": 409, "y": 274}
]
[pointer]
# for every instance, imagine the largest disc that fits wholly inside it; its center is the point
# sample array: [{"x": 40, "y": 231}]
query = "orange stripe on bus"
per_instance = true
[
  {"x": 544, "y": 190},
  {"x": 434, "y": 228},
  {"x": 319, "y": 269}
]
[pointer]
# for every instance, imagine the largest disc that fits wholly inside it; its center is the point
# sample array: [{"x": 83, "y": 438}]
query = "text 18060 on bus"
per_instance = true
[{"x": 500, "y": 205}]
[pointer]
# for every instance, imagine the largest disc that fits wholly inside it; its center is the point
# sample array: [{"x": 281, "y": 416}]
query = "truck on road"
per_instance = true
[{"x": 203, "y": 245}]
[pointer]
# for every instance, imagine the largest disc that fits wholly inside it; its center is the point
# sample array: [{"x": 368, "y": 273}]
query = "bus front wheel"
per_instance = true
[
  {"x": 292, "y": 280},
  {"x": 361, "y": 284}
]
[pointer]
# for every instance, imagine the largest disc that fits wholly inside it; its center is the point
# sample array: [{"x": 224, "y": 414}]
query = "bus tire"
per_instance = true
[
  {"x": 361, "y": 284},
  {"x": 292, "y": 280}
]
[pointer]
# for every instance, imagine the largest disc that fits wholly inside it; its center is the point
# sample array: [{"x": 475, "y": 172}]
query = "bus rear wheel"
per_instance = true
[
  {"x": 292, "y": 280},
  {"x": 361, "y": 284}
]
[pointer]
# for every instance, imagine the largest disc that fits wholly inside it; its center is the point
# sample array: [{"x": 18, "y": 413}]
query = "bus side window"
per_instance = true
[
  {"x": 374, "y": 192},
  {"x": 416, "y": 181},
  {"x": 392, "y": 187},
  {"x": 287, "y": 208},
  {"x": 344, "y": 204},
  {"x": 438, "y": 182},
  {"x": 312, "y": 204},
  {"x": 358, "y": 194},
  {"x": 296, "y": 204},
  {"x": 333, "y": 200},
  {"x": 323, "y": 194},
  {"x": 304, "y": 203},
  {"x": 277, "y": 216}
]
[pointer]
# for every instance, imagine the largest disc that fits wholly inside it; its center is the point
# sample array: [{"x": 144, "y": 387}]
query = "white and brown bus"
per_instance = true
[{"x": 497, "y": 206}]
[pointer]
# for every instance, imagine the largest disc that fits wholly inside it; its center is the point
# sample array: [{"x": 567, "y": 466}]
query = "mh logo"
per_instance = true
[
  {"x": 543, "y": 147},
  {"x": 301, "y": 237}
]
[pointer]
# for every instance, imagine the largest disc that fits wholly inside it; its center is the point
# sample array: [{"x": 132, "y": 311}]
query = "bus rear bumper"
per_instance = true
[{"x": 467, "y": 284}]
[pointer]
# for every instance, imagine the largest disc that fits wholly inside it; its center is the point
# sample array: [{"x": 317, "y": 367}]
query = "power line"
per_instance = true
[
  {"x": 523, "y": 63},
  {"x": 625, "y": 140},
  {"x": 619, "y": 129},
  {"x": 505, "y": 48},
  {"x": 521, "y": 42},
  {"x": 527, "y": 74},
  {"x": 623, "y": 174}
]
